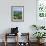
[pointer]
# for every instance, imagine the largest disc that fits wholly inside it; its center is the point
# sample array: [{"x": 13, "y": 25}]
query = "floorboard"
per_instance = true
[{"x": 13, "y": 44}]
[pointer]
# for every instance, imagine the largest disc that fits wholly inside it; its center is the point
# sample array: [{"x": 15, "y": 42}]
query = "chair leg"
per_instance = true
[
  {"x": 5, "y": 40},
  {"x": 17, "y": 39},
  {"x": 5, "y": 43}
]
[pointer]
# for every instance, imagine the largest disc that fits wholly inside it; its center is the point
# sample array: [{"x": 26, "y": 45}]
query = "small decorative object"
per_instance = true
[
  {"x": 17, "y": 13},
  {"x": 14, "y": 30}
]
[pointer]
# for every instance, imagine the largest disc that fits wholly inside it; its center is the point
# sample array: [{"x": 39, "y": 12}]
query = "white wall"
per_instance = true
[{"x": 29, "y": 15}]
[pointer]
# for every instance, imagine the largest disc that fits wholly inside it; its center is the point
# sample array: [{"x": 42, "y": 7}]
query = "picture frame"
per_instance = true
[
  {"x": 41, "y": 12},
  {"x": 17, "y": 13},
  {"x": 41, "y": 8}
]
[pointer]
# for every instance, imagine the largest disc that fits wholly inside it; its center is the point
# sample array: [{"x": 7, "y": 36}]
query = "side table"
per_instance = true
[{"x": 9, "y": 35}]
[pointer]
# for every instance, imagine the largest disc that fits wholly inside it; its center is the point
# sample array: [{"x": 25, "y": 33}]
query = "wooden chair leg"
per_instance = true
[
  {"x": 17, "y": 39},
  {"x": 6, "y": 39},
  {"x": 5, "y": 43}
]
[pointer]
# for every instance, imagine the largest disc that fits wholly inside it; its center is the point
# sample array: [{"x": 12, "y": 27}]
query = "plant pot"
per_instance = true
[{"x": 40, "y": 41}]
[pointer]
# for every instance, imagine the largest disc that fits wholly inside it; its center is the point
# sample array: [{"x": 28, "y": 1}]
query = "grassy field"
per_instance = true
[{"x": 17, "y": 14}]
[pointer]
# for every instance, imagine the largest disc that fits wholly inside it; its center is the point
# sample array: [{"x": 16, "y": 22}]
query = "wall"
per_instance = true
[{"x": 29, "y": 15}]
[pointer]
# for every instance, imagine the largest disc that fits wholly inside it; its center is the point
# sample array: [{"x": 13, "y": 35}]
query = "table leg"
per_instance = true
[{"x": 5, "y": 40}]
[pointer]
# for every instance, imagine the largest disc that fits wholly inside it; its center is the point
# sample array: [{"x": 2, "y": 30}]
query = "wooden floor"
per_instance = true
[{"x": 13, "y": 44}]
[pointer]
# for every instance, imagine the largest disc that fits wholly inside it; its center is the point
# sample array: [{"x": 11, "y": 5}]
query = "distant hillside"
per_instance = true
[{"x": 17, "y": 14}]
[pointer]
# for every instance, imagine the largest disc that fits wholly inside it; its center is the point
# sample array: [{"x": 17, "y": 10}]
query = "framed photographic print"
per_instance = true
[
  {"x": 41, "y": 8},
  {"x": 17, "y": 13},
  {"x": 41, "y": 12}
]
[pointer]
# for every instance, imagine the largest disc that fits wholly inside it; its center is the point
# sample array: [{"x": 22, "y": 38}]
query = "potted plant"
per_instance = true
[
  {"x": 35, "y": 27},
  {"x": 42, "y": 27},
  {"x": 39, "y": 35},
  {"x": 38, "y": 27}
]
